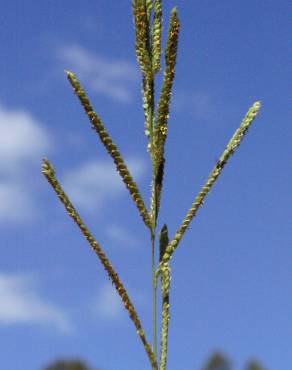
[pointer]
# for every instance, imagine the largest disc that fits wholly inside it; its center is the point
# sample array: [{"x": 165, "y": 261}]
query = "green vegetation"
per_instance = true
[
  {"x": 148, "y": 29},
  {"x": 67, "y": 365},
  {"x": 217, "y": 361}
]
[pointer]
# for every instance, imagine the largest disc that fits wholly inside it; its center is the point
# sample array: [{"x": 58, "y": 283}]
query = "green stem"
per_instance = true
[{"x": 154, "y": 285}]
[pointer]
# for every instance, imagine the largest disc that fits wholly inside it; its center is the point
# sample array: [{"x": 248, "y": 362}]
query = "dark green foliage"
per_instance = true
[
  {"x": 67, "y": 365},
  {"x": 217, "y": 362},
  {"x": 254, "y": 365}
]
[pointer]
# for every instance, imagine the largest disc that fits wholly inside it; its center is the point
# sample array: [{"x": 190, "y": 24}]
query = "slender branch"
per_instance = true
[
  {"x": 110, "y": 147},
  {"x": 198, "y": 202},
  {"x": 154, "y": 292},
  {"x": 49, "y": 172}
]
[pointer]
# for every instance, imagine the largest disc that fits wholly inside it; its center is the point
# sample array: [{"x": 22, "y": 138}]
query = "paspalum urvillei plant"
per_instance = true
[{"x": 148, "y": 29}]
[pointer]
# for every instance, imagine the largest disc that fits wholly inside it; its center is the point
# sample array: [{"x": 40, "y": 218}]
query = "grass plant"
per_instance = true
[{"x": 148, "y": 34}]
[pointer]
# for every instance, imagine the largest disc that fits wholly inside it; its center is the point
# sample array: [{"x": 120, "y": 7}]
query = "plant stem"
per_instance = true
[{"x": 154, "y": 297}]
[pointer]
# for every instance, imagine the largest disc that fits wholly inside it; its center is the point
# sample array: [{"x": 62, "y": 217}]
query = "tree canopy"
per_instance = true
[
  {"x": 217, "y": 362},
  {"x": 67, "y": 365}
]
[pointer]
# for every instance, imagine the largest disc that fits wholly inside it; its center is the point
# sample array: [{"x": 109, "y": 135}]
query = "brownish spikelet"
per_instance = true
[
  {"x": 170, "y": 61},
  {"x": 49, "y": 172},
  {"x": 141, "y": 22},
  {"x": 160, "y": 132},
  {"x": 110, "y": 147}
]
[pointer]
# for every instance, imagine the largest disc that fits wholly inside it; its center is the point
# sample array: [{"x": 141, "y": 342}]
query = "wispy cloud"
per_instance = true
[
  {"x": 23, "y": 141},
  {"x": 121, "y": 236},
  {"x": 107, "y": 304},
  {"x": 16, "y": 202},
  {"x": 21, "y": 303},
  {"x": 198, "y": 104},
  {"x": 110, "y": 77},
  {"x": 94, "y": 183}
]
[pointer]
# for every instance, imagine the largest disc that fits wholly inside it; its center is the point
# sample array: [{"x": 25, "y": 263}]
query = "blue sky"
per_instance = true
[{"x": 231, "y": 275}]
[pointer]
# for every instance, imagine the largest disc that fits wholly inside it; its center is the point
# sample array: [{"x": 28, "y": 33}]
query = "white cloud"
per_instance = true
[
  {"x": 16, "y": 203},
  {"x": 121, "y": 236},
  {"x": 96, "y": 182},
  {"x": 113, "y": 78},
  {"x": 21, "y": 303},
  {"x": 23, "y": 142},
  {"x": 108, "y": 304}
]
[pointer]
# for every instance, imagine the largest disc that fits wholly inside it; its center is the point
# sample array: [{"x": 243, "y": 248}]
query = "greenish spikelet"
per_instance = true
[
  {"x": 198, "y": 202},
  {"x": 156, "y": 36}
]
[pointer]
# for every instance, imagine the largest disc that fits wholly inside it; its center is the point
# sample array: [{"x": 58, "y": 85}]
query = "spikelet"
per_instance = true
[
  {"x": 156, "y": 36},
  {"x": 198, "y": 202},
  {"x": 110, "y": 147},
  {"x": 148, "y": 102},
  {"x": 140, "y": 13},
  {"x": 49, "y": 172},
  {"x": 160, "y": 130},
  {"x": 149, "y": 7},
  {"x": 162, "y": 114},
  {"x": 165, "y": 285}
]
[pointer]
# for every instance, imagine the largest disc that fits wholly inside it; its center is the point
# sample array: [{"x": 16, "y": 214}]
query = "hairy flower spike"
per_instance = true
[
  {"x": 147, "y": 16},
  {"x": 110, "y": 147},
  {"x": 170, "y": 61},
  {"x": 47, "y": 169},
  {"x": 141, "y": 21},
  {"x": 198, "y": 202},
  {"x": 162, "y": 115},
  {"x": 165, "y": 286},
  {"x": 49, "y": 173},
  {"x": 156, "y": 36},
  {"x": 149, "y": 7}
]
